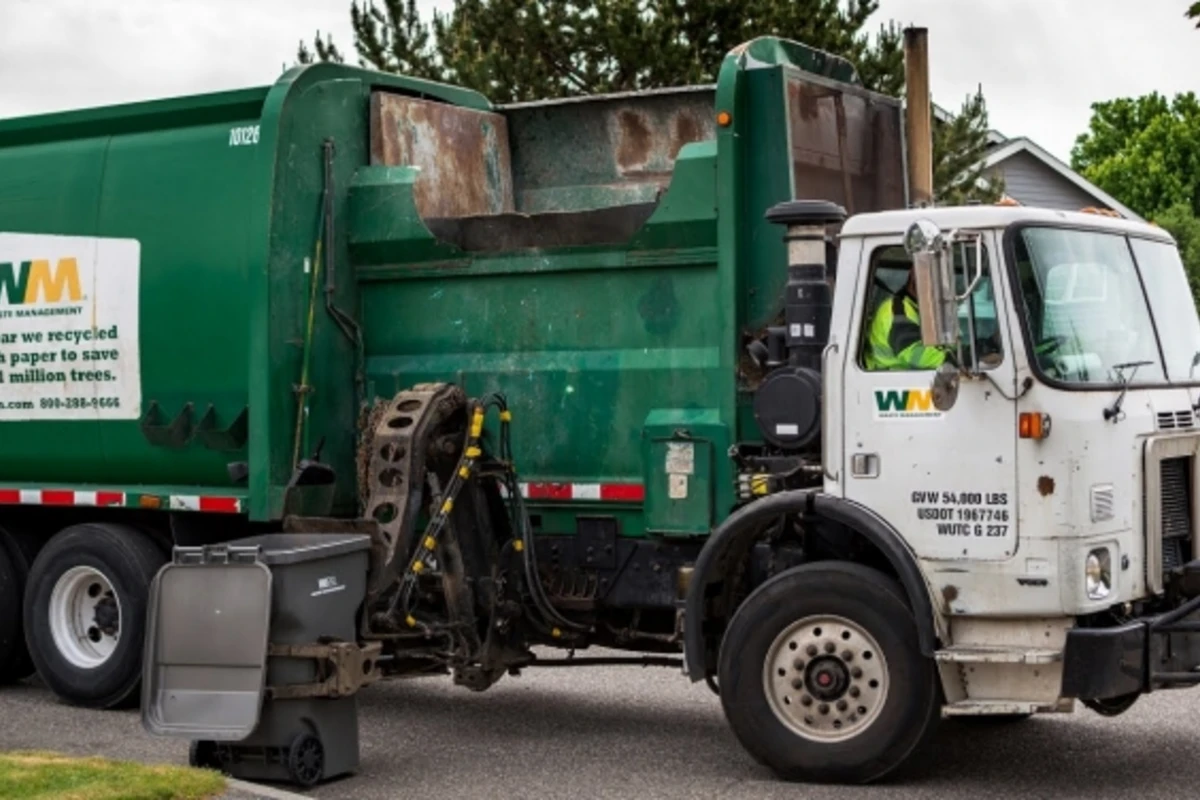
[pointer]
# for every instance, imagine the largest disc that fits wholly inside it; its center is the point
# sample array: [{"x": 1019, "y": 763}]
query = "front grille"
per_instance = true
[
  {"x": 1176, "y": 475},
  {"x": 1176, "y": 420}
]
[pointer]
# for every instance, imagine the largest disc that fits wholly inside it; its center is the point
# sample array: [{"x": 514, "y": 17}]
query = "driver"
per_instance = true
[{"x": 894, "y": 339}]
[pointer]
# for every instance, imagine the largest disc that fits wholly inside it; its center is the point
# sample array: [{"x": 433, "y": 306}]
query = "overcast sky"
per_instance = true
[{"x": 1041, "y": 62}]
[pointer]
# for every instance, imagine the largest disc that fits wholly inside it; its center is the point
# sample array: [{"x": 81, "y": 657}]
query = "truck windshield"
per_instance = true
[
  {"x": 1174, "y": 309},
  {"x": 1088, "y": 315}
]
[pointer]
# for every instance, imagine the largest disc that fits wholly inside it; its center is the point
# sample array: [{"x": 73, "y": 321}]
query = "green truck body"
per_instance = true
[
  {"x": 301, "y": 249},
  {"x": 292, "y": 309}
]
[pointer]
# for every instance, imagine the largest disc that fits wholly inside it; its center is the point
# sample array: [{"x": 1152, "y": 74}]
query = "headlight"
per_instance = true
[{"x": 1097, "y": 570}]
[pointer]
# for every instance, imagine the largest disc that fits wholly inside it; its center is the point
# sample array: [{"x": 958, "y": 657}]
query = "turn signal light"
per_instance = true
[{"x": 1033, "y": 425}]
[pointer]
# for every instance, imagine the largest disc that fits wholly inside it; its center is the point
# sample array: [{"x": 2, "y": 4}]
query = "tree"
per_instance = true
[
  {"x": 1180, "y": 221},
  {"x": 958, "y": 149},
  {"x": 1193, "y": 12},
  {"x": 1145, "y": 151},
  {"x": 518, "y": 50}
]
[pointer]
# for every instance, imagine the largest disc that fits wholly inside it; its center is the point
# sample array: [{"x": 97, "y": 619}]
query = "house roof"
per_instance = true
[{"x": 1012, "y": 147}]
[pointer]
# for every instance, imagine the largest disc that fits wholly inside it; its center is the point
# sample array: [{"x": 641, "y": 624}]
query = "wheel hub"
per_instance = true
[
  {"x": 825, "y": 678},
  {"x": 108, "y": 616},
  {"x": 85, "y": 617}
]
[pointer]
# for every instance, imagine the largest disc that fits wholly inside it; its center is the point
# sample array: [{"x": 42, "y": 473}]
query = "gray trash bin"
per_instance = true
[{"x": 251, "y": 653}]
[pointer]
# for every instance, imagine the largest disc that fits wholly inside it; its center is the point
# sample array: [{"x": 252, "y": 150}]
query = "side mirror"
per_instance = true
[
  {"x": 933, "y": 266},
  {"x": 945, "y": 387}
]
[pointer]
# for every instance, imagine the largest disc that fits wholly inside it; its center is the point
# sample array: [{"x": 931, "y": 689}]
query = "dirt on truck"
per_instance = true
[{"x": 358, "y": 376}]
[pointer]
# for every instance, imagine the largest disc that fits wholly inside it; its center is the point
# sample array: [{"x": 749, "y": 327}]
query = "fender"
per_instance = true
[{"x": 710, "y": 565}]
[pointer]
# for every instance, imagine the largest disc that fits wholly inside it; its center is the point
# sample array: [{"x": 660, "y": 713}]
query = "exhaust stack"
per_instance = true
[{"x": 918, "y": 117}]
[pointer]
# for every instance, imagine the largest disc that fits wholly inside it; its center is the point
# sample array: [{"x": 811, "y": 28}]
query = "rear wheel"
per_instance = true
[
  {"x": 85, "y": 610},
  {"x": 12, "y": 643},
  {"x": 821, "y": 676}
]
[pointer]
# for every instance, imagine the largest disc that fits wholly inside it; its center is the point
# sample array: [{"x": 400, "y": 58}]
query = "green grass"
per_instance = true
[{"x": 34, "y": 775}]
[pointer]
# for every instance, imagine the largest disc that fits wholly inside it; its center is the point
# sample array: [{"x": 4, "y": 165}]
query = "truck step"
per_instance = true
[
  {"x": 980, "y": 708},
  {"x": 992, "y": 654}
]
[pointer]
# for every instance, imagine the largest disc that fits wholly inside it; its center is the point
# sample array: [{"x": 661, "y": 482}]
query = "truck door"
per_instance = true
[{"x": 945, "y": 480}]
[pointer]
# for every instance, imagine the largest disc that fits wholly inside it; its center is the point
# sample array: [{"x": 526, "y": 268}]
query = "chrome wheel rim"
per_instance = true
[
  {"x": 825, "y": 678},
  {"x": 85, "y": 617}
]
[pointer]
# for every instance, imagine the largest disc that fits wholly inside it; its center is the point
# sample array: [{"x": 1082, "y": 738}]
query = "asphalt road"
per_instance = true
[{"x": 629, "y": 732}]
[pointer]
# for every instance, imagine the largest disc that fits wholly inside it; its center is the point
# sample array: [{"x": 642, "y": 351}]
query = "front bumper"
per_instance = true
[{"x": 1140, "y": 656}]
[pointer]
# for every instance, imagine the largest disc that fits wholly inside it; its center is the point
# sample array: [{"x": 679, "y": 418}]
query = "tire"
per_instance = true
[
  {"x": 85, "y": 612},
  {"x": 15, "y": 663},
  {"x": 12, "y": 642},
  {"x": 850, "y": 608}
]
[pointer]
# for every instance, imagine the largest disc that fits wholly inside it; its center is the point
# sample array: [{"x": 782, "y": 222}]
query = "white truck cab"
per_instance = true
[
  {"x": 1004, "y": 520},
  {"x": 1044, "y": 476}
]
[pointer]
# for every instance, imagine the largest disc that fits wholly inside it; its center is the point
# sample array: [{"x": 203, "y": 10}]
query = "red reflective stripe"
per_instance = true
[
  {"x": 549, "y": 491},
  {"x": 109, "y": 498},
  {"x": 623, "y": 492},
  {"x": 51, "y": 497},
  {"x": 226, "y": 504},
  {"x": 10, "y": 496}
]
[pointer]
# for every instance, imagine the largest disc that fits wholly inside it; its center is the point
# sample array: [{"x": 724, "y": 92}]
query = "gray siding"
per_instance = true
[{"x": 1031, "y": 183}]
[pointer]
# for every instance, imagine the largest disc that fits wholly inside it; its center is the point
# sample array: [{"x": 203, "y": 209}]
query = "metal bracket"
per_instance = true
[
  {"x": 342, "y": 669},
  {"x": 230, "y": 439},
  {"x": 176, "y": 433}
]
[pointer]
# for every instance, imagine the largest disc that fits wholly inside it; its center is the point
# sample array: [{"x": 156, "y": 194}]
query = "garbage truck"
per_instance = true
[{"x": 695, "y": 373}]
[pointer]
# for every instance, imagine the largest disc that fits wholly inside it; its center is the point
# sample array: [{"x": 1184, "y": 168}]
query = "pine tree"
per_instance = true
[
  {"x": 519, "y": 50},
  {"x": 958, "y": 149}
]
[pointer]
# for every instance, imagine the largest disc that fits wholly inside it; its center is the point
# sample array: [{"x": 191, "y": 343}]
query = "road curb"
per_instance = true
[{"x": 265, "y": 792}]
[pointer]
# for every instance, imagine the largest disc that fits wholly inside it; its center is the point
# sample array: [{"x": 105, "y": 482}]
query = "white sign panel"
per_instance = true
[{"x": 69, "y": 328}]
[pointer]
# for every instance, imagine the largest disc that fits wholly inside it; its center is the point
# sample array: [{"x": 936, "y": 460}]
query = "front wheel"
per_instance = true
[{"x": 821, "y": 676}]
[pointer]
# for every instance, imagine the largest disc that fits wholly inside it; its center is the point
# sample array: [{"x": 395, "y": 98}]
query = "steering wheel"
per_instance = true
[{"x": 1058, "y": 341}]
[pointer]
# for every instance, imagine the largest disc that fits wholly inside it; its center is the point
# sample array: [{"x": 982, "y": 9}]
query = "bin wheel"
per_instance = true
[
  {"x": 306, "y": 760},
  {"x": 203, "y": 755}
]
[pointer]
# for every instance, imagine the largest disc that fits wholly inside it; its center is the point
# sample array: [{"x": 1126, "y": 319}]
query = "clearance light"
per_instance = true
[
  {"x": 724, "y": 118},
  {"x": 1033, "y": 425}
]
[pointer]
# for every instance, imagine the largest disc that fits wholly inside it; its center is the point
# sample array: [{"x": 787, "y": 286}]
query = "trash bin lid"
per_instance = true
[
  {"x": 205, "y": 667},
  {"x": 296, "y": 548}
]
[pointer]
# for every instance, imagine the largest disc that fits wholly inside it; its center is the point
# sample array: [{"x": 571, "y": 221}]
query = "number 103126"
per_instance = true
[{"x": 243, "y": 136}]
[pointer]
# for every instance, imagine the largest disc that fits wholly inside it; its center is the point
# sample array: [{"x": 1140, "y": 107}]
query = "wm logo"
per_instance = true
[
  {"x": 905, "y": 403},
  {"x": 29, "y": 282}
]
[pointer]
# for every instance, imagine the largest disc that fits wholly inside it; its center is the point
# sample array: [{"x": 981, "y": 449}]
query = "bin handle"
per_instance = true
[{"x": 216, "y": 554}]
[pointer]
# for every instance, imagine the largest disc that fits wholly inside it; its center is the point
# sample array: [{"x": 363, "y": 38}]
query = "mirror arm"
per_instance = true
[
  {"x": 974, "y": 369},
  {"x": 978, "y": 269}
]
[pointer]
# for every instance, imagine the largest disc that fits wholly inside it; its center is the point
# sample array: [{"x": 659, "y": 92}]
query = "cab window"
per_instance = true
[{"x": 891, "y": 334}]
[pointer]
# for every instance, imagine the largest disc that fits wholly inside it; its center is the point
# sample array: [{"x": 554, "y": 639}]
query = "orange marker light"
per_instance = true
[
  {"x": 724, "y": 118},
  {"x": 1033, "y": 425}
]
